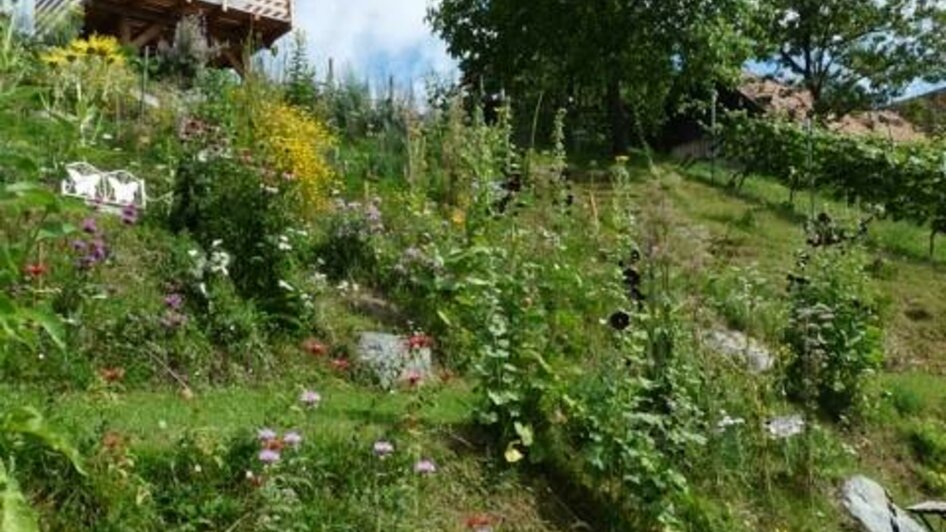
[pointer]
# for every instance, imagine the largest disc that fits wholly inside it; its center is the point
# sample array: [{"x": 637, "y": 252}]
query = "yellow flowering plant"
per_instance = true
[
  {"x": 88, "y": 78},
  {"x": 298, "y": 145}
]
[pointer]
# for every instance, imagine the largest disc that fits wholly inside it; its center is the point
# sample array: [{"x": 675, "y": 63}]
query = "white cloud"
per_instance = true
[{"x": 373, "y": 38}]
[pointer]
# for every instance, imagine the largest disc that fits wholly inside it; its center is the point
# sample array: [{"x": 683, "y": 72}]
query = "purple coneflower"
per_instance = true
[
  {"x": 425, "y": 467},
  {"x": 268, "y": 456},
  {"x": 310, "y": 398},
  {"x": 265, "y": 435},
  {"x": 383, "y": 448}
]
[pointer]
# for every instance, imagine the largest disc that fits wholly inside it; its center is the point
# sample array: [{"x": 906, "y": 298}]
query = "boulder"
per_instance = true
[
  {"x": 738, "y": 346},
  {"x": 391, "y": 359},
  {"x": 869, "y": 505}
]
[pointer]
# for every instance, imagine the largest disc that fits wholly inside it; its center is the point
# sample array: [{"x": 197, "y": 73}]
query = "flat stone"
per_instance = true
[
  {"x": 869, "y": 505},
  {"x": 736, "y": 345},
  {"x": 391, "y": 360},
  {"x": 785, "y": 427}
]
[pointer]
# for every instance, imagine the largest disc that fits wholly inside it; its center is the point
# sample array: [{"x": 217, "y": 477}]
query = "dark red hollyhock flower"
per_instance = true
[
  {"x": 37, "y": 270},
  {"x": 341, "y": 364},
  {"x": 315, "y": 347}
]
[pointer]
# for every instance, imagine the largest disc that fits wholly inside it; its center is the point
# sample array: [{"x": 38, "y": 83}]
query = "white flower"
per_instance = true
[{"x": 286, "y": 286}]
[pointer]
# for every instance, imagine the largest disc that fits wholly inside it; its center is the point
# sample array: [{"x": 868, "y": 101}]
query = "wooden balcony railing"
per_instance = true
[{"x": 280, "y": 10}]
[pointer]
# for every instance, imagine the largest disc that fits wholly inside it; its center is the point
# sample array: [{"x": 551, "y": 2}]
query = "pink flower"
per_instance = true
[
  {"x": 293, "y": 439},
  {"x": 383, "y": 448},
  {"x": 266, "y": 435},
  {"x": 425, "y": 467},
  {"x": 268, "y": 456},
  {"x": 310, "y": 398}
]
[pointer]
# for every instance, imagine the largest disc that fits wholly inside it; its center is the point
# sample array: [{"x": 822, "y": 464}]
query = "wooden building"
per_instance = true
[{"x": 232, "y": 24}]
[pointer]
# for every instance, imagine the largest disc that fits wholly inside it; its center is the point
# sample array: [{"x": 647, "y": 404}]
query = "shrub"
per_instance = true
[
  {"x": 189, "y": 52},
  {"x": 834, "y": 329},
  {"x": 227, "y": 207}
]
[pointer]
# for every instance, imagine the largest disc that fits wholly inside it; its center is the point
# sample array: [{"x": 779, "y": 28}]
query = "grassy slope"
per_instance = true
[
  {"x": 152, "y": 421},
  {"x": 755, "y": 227}
]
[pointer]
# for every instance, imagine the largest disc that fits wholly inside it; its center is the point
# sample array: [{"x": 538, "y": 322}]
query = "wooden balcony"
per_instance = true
[{"x": 145, "y": 23}]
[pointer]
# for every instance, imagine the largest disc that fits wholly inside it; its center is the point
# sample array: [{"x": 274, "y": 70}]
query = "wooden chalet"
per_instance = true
[{"x": 232, "y": 24}]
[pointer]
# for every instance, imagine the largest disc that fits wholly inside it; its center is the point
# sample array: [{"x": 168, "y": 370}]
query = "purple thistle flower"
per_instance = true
[
  {"x": 268, "y": 456},
  {"x": 174, "y": 301},
  {"x": 425, "y": 467},
  {"x": 293, "y": 439},
  {"x": 383, "y": 448},
  {"x": 79, "y": 245},
  {"x": 310, "y": 398},
  {"x": 89, "y": 226},
  {"x": 265, "y": 434}
]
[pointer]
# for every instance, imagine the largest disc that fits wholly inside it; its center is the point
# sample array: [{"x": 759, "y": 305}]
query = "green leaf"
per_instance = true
[
  {"x": 15, "y": 512},
  {"x": 50, "y": 323},
  {"x": 29, "y": 421}
]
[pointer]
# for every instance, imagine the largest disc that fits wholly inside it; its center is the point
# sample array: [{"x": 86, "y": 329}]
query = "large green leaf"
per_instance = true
[
  {"x": 29, "y": 421},
  {"x": 15, "y": 512},
  {"x": 50, "y": 323}
]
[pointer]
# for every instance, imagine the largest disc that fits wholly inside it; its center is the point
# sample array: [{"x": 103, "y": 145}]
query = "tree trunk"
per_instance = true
[{"x": 620, "y": 122}]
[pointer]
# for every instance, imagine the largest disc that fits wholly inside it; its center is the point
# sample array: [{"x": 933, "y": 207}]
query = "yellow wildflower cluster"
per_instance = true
[
  {"x": 298, "y": 146},
  {"x": 96, "y": 47}
]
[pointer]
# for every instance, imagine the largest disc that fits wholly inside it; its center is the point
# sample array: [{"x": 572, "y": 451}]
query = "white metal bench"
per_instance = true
[{"x": 112, "y": 191}]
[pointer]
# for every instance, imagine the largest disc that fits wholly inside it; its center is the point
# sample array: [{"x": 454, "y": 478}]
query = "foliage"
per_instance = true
[
  {"x": 849, "y": 54},
  {"x": 300, "y": 78},
  {"x": 31, "y": 219},
  {"x": 189, "y": 52},
  {"x": 834, "y": 328},
  {"x": 16, "y": 427},
  {"x": 905, "y": 179},
  {"x": 535, "y": 50},
  {"x": 230, "y": 210}
]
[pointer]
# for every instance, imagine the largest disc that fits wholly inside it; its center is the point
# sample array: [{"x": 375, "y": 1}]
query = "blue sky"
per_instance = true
[{"x": 374, "y": 39}]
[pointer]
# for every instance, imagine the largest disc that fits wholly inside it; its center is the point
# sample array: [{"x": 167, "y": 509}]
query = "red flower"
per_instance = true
[
  {"x": 341, "y": 364},
  {"x": 419, "y": 341},
  {"x": 315, "y": 347},
  {"x": 37, "y": 270},
  {"x": 111, "y": 375},
  {"x": 479, "y": 522}
]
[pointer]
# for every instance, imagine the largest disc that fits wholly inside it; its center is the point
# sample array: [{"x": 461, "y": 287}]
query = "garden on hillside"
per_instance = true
[{"x": 268, "y": 303}]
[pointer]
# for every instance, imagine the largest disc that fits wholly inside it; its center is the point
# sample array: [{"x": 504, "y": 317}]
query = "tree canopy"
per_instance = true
[
  {"x": 853, "y": 53},
  {"x": 629, "y": 56}
]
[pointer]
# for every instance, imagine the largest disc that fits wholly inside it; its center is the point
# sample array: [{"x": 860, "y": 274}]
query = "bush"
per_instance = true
[
  {"x": 229, "y": 210},
  {"x": 834, "y": 330}
]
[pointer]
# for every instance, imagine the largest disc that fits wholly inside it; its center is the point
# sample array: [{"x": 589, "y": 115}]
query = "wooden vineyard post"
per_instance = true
[
  {"x": 809, "y": 162},
  {"x": 713, "y": 139}
]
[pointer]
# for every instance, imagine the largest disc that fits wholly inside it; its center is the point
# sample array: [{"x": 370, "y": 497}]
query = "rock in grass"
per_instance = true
[
  {"x": 392, "y": 360},
  {"x": 738, "y": 346},
  {"x": 784, "y": 427},
  {"x": 868, "y": 503}
]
